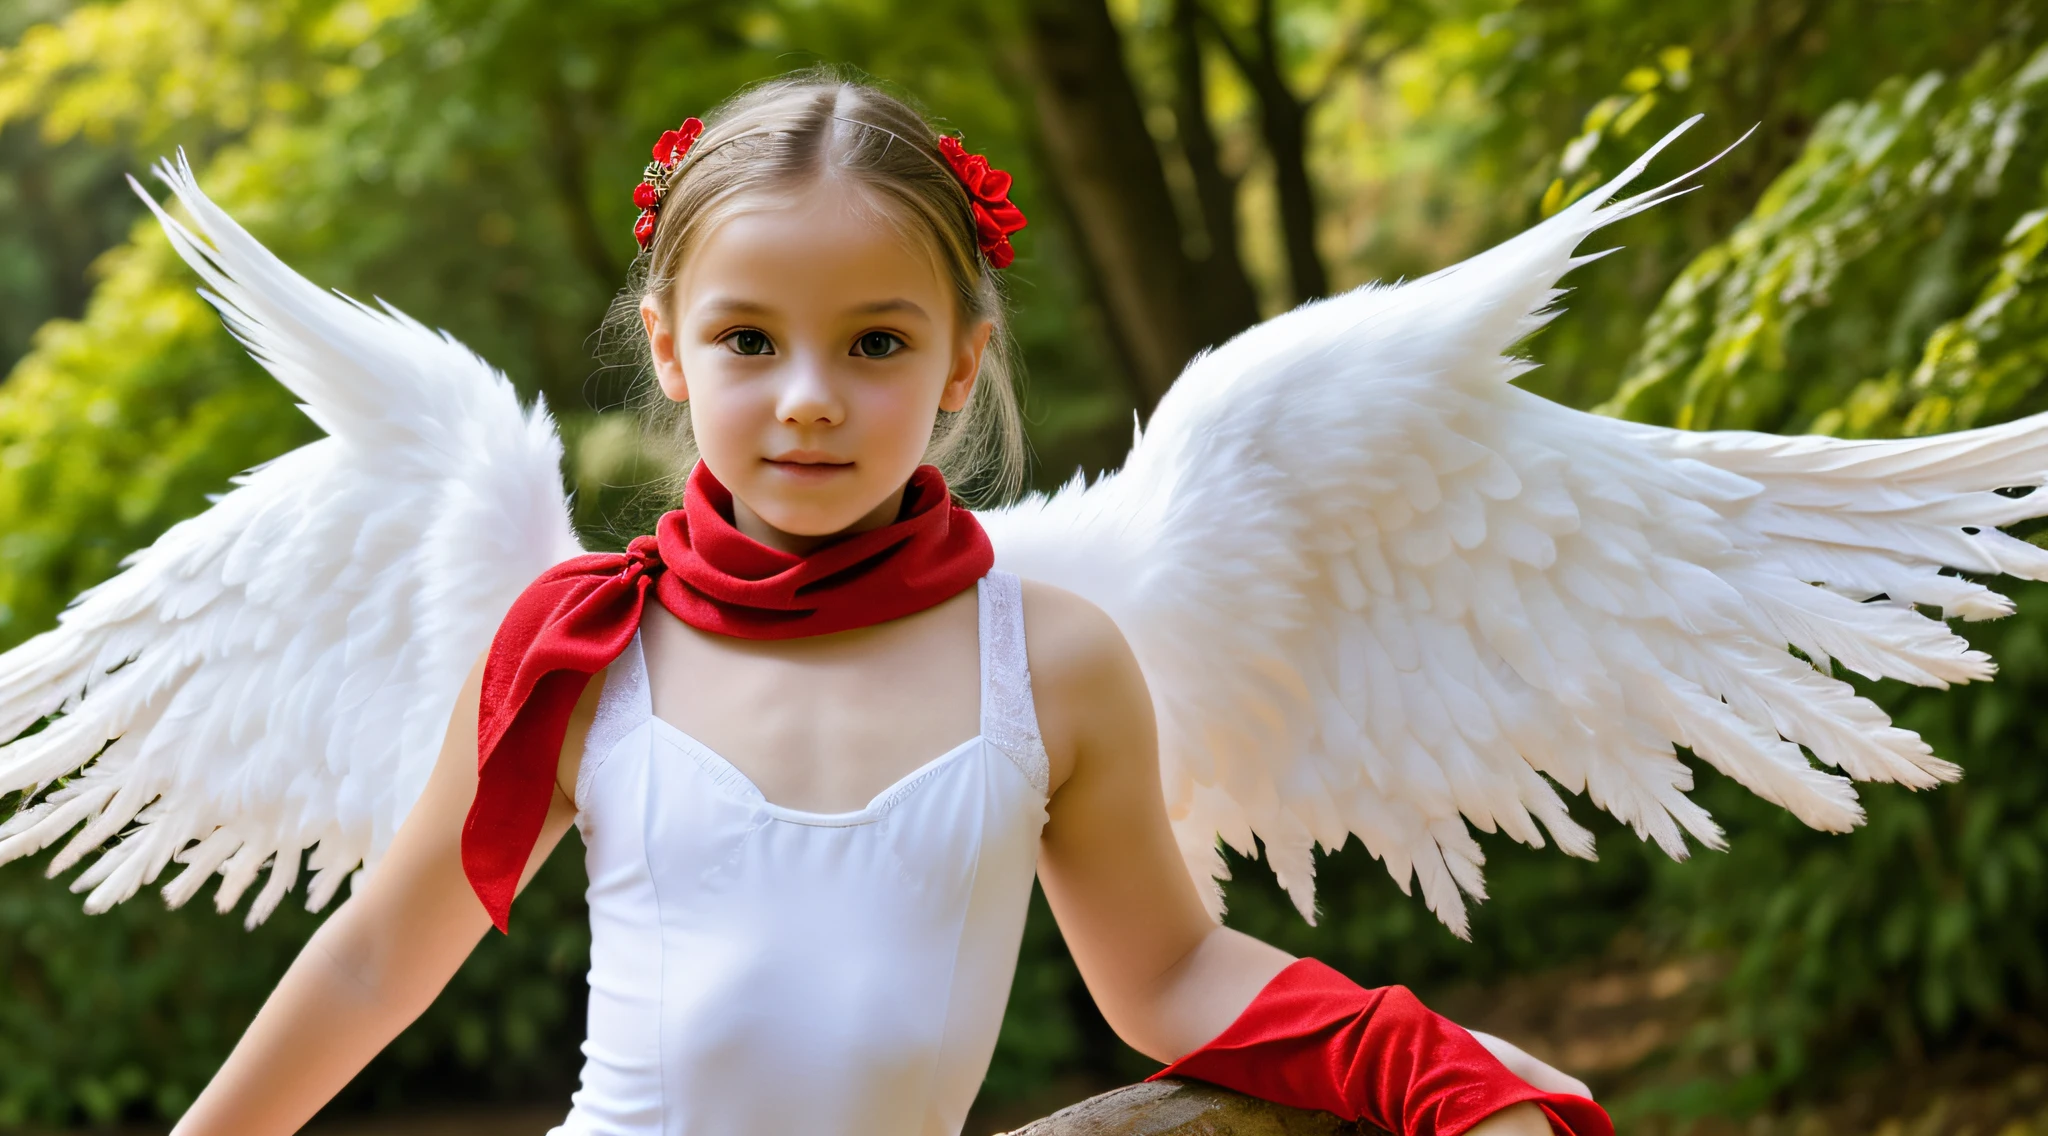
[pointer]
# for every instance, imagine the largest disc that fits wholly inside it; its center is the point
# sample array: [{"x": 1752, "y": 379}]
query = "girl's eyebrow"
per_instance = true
[
  {"x": 724, "y": 304},
  {"x": 896, "y": 305}
]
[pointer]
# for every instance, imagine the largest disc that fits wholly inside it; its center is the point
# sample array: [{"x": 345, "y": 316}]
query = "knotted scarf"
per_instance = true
[{"x": 579, "y": 615}]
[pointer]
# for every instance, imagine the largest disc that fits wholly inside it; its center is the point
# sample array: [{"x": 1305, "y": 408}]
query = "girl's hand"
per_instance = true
[
  {"x": 1517, "y": 1120},
  {"x": 1531, "y": 1070}
]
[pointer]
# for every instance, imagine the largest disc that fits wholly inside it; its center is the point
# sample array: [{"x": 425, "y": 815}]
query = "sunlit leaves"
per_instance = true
[
  {"x": 1851, "y": 259},
  {"x": 1983, "y": 366},
  {"x": 175, "y": 69}
]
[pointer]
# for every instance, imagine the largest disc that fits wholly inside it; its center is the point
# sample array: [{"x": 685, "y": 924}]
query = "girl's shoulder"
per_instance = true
[
  {"x": 1085, "y": 679},
  {"x": 1067, "y": 631}
]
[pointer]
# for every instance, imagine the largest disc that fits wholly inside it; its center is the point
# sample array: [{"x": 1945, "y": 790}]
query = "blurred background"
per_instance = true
[{"x": 1870, "y": 262}]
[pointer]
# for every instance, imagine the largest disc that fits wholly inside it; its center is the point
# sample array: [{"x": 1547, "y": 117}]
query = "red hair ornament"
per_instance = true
[
  {"x": 669, "y": 150},
  {"x": 988, "y": 191}
]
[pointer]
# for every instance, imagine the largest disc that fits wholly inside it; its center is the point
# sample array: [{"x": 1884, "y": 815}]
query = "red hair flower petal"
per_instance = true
[
  {"x": 668, "y": 151},
  {"x": 673, "y": 144},
  {"x": 988, "y": 193}
]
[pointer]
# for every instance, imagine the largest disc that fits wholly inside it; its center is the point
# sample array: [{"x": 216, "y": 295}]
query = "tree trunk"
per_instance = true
[
  {"x": 569, "y": 170},
  {"x": 1285, "y": 123},
  {"x": 1284, "y": 119},
  {"x": 1283, "y": 127},
  {"x": 1231, "y": 299},
  {"x": 1161, "y": 303}
]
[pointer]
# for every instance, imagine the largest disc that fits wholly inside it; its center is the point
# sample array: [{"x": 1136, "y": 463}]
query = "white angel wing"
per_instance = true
[
  {"x": 276, "y": 674},
  {"x": 1376, "y": 588}
]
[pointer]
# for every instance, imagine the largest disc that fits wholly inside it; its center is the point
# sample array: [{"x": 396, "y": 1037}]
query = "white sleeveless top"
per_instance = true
[{"x": 758, "y": 970}]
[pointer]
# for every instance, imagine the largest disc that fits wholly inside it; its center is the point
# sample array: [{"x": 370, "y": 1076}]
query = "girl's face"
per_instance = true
[{"x": 816, "y": 345}]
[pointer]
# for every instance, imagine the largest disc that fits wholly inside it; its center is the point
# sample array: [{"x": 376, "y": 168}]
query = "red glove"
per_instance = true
[{"x": 1315, "y": 1039}]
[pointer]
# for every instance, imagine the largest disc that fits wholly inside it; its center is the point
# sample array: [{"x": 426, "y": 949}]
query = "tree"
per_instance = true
[{"x": 1164, "y": 304}]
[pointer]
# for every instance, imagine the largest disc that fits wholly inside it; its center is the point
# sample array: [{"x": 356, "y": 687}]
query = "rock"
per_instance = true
[{"x": 1187, "y": 1108}]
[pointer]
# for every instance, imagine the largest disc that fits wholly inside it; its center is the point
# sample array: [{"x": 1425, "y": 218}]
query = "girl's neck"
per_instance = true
[{"x": 750, "y": 524}]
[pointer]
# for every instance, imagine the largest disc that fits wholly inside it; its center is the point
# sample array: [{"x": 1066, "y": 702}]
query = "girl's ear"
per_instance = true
[
  {"x": 966, "y": 367},
  {"x": 661, "y": 343}
]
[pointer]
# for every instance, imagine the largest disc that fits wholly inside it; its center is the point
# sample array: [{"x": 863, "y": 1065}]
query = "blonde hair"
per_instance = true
[{"x": 783, "y": 134}]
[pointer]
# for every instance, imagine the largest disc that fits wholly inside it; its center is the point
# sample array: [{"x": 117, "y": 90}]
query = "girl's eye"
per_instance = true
[
  {"x": 747, "y": 341},
  {"x": 877, "y": 345}
]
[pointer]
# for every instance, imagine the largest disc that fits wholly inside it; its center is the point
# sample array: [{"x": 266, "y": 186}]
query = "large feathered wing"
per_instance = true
[
  {"x": 275, "y": 675},
  {"x": 1378, "y": 590}
]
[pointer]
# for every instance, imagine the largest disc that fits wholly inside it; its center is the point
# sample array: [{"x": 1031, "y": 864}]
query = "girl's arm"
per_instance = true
[
  {"x": 1165, "y": 976},
  {"x": 380, "y": 959}
]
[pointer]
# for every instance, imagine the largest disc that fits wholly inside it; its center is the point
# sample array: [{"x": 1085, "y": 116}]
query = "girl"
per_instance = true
[{"x": 802, "y": 919}]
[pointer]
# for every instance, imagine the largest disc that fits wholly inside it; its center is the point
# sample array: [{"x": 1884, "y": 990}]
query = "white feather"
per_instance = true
[
  {"x": 1378, "y": 591},
  {"x": 276, "y": 674}
]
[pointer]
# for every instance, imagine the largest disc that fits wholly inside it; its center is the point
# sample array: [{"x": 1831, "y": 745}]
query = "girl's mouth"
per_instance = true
[{"x": 808, "y": 464}]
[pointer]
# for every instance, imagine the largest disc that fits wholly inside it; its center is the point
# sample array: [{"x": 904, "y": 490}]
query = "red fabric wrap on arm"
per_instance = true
[{"x": 1315, "y": 1039}]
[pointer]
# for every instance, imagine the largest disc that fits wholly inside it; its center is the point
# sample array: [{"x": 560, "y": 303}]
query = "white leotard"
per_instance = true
[{"x": 759, "y": 971}]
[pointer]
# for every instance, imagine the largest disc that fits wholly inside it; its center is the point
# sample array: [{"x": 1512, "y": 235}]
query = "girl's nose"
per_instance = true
[{"x": 807, "y": 396}]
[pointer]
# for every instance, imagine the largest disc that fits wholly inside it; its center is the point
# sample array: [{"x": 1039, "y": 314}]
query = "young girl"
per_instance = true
[{"x": 816, "y": 775}]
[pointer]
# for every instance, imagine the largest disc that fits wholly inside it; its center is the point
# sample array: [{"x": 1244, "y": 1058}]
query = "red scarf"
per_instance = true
[{"x": 579, "y": 615}]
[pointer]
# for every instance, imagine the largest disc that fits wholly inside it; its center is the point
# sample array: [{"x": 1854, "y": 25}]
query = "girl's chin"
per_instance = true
[
  {"x": 812, "y": 516},
  {"x": 814, "y": 502}
]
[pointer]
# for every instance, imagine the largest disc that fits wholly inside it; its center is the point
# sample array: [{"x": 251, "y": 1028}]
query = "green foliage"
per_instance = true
[
  {"x": 1581, "y": 88},
  {"x": 1980, "y": 366},
  {"x": 1879, "y": 231},
  {"x": 60, "y": 206}
]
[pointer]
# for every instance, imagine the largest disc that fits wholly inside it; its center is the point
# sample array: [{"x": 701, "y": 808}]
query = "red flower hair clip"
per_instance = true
[
  {"x": 988, "y": 191},
  {"x": 668, "y": 153}
]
